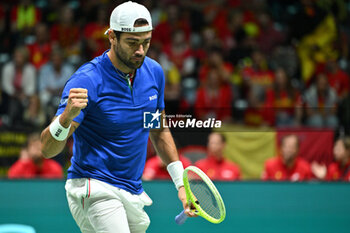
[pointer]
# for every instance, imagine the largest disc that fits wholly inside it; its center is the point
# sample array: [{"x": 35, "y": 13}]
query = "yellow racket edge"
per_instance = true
[{"x": 191, "y": 199}]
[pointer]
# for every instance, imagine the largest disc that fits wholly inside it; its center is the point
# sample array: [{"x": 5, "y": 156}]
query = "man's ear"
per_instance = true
[{"x": 111, "y": 37}]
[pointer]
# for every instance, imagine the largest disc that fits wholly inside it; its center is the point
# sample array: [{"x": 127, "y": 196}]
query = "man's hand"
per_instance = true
[
  {"x": 319, "y": 170},
  {"x": 182, "y": 196},
  {"x": 24, "y": 155},
  {"x": 77, "y": 100}
]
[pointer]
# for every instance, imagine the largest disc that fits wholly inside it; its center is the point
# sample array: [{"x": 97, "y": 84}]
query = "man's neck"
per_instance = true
[
  {"x": 57, "y": 69},
  {"x": 117, "y": 63},
  {"x": 38, "y": 162},
  {"x": 216, "y": 158},
  {"x": 290, "y": 164}
]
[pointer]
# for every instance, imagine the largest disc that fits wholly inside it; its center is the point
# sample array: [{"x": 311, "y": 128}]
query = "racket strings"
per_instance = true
[{"x": 204, "y": 195}]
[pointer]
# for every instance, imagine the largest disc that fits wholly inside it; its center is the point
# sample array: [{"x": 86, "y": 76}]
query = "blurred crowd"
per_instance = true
[
  {"x": 251, "y": 62},
  {"x": 288, "y": 164}
]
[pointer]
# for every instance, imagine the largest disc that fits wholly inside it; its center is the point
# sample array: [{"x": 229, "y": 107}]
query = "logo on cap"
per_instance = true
[{"x": 126, "y": 29}]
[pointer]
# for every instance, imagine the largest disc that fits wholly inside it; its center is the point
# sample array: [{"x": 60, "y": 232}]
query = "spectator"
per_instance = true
[
  {"x": 18, "y": 82},
  {"x": 256, "y": 114},
  {"x": 244, "y": 44},
  {"x": 155, "y": 169},
  {"x": 321, "y": 104},
  {"x": 207, "y": 41},
  {"x": 344, "y": 115},
  {"x": 180, "y": 53},
  {"x": 268, "y": 36},
  {"x": 214, "y": 98},
  {"x": 34, "y": 116},
  {"x": 235, "y": 24},
  {"x": 287, "y": 166},
  {"x": 215, "y": 60},
  {"x": 163, "y": 32},
  {"x": 257, "y": 78},
  {"x": 24, "y": 16},
  {"x": 172, "y": 91},
  {"x": 52, "y": 79},
  {"x": 340, "y": 168},
  {"x": 337, "y": 78},
  {"x": 215, "y": 165},
  {"x": 40, "y": 50},
  {"x": 96, "y": 41},
  {"x": 178, "y": 61},
  {"x": 259, "y": 72},
  {"x": 66, "y": 34},
  {"x": 51, "y": 11},
  {"x": 220, "y": 17},
  {"x": 283, "y": 101},
  {"x": 32, "y": 164}
]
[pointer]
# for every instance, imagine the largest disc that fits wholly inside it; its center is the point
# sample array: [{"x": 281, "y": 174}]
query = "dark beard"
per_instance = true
[{"x": 122, "y": 57}]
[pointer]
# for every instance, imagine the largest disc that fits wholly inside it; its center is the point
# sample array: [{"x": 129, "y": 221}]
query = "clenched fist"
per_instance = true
[{"x": 77, "y": 100}]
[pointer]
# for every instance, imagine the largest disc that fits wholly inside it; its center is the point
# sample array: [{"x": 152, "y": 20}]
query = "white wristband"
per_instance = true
[
  {"x": 176, "y": 171},
  {"x": 57, "y": 131}
]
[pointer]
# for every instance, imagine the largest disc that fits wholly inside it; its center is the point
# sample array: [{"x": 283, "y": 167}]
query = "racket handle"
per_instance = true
[{"x": 181, "y": 218}]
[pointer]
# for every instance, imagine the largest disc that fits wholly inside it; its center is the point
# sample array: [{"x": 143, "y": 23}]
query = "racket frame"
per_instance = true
[{"x": 191, "y": 199}]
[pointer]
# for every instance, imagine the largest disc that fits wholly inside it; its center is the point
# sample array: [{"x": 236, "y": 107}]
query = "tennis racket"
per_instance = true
[{"x": 203, "y": 196}]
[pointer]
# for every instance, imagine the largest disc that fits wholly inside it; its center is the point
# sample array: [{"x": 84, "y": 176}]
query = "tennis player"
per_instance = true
[{"x": 102, "y": 106}]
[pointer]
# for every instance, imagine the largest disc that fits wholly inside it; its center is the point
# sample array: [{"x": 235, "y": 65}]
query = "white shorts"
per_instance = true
[{"x": 98, "y": 207}]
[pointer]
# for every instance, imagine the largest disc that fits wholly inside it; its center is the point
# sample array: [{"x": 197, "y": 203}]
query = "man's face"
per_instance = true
[
  {"x": 19, "y": 58},
  {"x": 41, "y": 33},
  {"x": 289, "y": 149},
  {"x": 216, "y": 145},
  {"x": 57, "y": 60},
  {"x": 339, "y": 151},
  {"x": 34, "y": 150},
  {"x": 132, "y": 48},
  {"x": 322, "y": 82}
]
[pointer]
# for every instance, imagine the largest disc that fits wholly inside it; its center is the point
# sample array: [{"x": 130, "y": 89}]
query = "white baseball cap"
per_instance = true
[{"x": 123, "y": 18}]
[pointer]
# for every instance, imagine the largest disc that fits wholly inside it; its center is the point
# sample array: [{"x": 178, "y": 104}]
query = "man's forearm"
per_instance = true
[
  {"x": 54, "y": 141},
  {"x": 50, "y": 147},
  {"x": 164, "y": 144}
]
